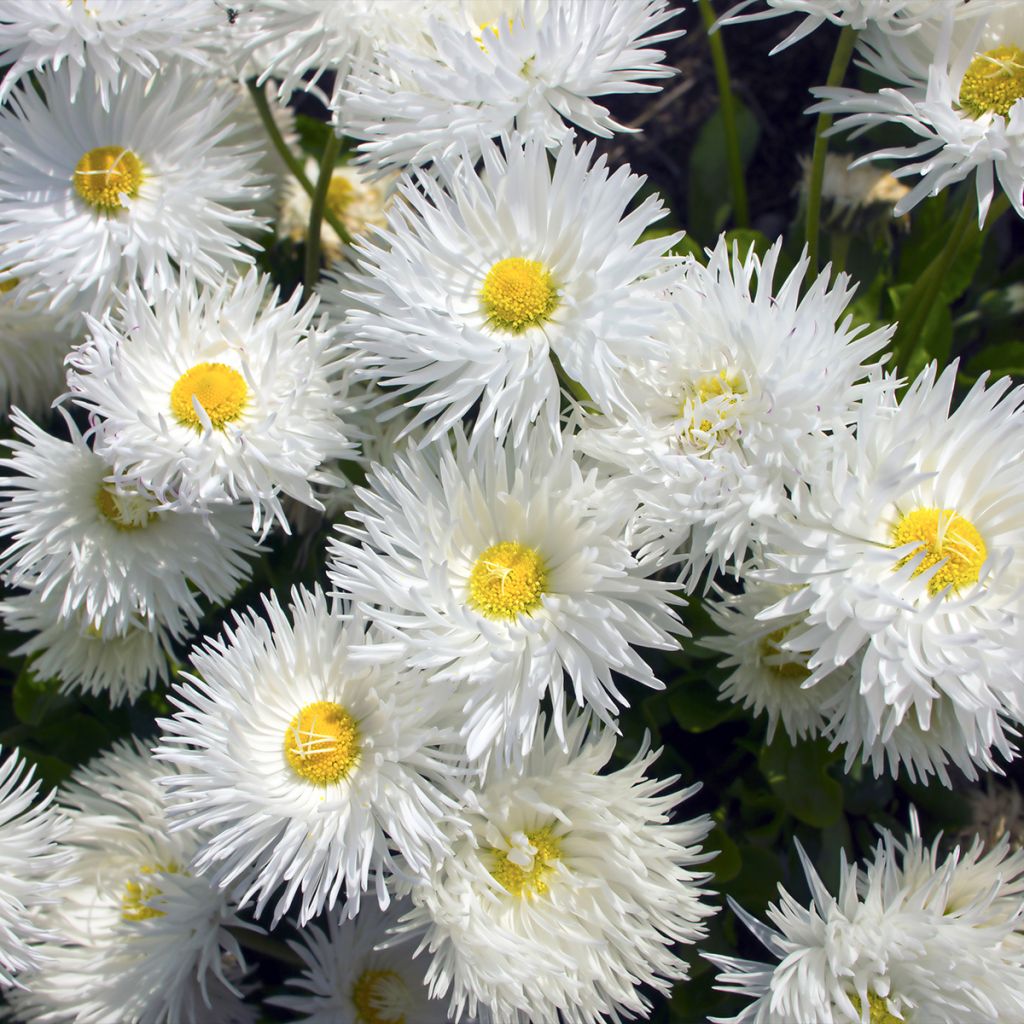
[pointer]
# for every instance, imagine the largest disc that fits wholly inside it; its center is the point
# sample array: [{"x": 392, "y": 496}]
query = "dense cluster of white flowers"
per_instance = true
[{"x": 546, "y": 430}]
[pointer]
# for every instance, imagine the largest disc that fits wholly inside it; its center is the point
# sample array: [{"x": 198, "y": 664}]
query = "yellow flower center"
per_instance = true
[
  {"x": 713, "y": 398},
  {"x": 339, "y": 194},
  {"x": 785, "y": 664},
  {"x": 527, "y": 881},
  {"x": 878, "y": 1013},
  {"x": 518, "y": 294},
  {"x": 947, "y": 537},
  {"x": 322, "y": 743},
  {"x": 124, "y": 510},
  {"x": 135, "y": 899},
  {"x": 380, "y": 997},
  {"x": 106, "y": 173},
  {"x": 219, "y": 389},
  {"x": 993, "y": 82},
  {"x": 506, "y": 580}
]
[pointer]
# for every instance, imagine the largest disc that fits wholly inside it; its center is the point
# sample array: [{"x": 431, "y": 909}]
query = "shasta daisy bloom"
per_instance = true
[
  {"x": 359, "y": 973},
  {"x": 30, "y": 862},
  {"x": 907, "y": 939},
  {"x": 889, "y": 16},
  {"x": 91, "y": 198},
  {"x": 107, "y": 552},
  {"x": 755, "y": 383},
  {"x": 360, "y": 204},
  {"x": 958, "y": 88},
  {"x": 480, "y": 278},
  {"x": 502, "y": 568},
  {"x": 100, "y": 39},
  {"x": 481, "y": 71},
  {"x": 766, "y": 677},
  {"x": 141, "y": 939},
  {"x": 33, "y": 344},
  {"x": 246, "y": 405},
  {"x": 82, "y": 654},
  {"x": 908, "y": 552},
  {"x": 567, "y": 891},
  {"x": 310, "y": 751}
]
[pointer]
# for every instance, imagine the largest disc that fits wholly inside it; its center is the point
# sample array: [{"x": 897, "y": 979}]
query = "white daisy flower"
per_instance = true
[
  {"x": 100, "y": 39},
  {"x": 107, "y": 552},
  {"x": 853, "y": 199},
  {"x": 482, "y": 70},
  {"x": 756, "y": 380},
  {"x": 765, "y": 676},
  {"x": 246, "y": 405},
  {"x": 567, "y": 891},
  {"x": 311, "y": 752},
  {"x": 141, "y": 939},
  {"x": 480, "y": 278},
  {"x": 297, "y": 41},
  {"x": 502, "y": 569},
  {"x": 359, "y": 203},
  {"x": 33, "y": 344},
  {"x": 906, "y": 940},
  {"x": 958, "y": 88},
  {"x": 889, "y": 16},
  {"x": 31, "y": 860},
  {"x": 358, "y": 973},
  {"x": 84, "y": 656},
  {"x": 908, "y": 551},
  {"x": 90, "y": 198}
]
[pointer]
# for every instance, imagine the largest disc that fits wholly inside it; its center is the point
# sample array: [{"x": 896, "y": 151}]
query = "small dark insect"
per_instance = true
[{"x": 232, "y": 15}]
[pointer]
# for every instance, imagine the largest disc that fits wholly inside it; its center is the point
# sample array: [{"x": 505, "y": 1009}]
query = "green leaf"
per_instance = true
[
  {"x": 708, "y": 201},
  {"x": 37, "y": 699},
  {"x": 799, "y": 778},
  {"x": 696, "y": 708},
  {"x": 727, "y": 864}
]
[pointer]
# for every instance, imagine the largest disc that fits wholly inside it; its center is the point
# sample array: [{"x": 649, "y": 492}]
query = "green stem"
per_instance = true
[
  {"x": 914, "y": 312},
  {"x": 316, "y": 213},
  {"x": 836, "y": 73},
  {"x": 266, "y": 946},
  {"x": 741, "y": 214},
  {"x": 292, "y": 162},
  {"x": 838, "y": 250}
]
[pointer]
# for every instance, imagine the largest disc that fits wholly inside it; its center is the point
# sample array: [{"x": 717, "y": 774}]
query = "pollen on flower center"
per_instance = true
[
  {"x": 944, "y": 536},
  {"x": 124, "y": 511},
  {"x": 219, "y": 389},
  {"x": 106, "y": 173},
  {"x": 339, "y": 195},
  {"x": 518, "y": 294},
  {"x": 993, "y": 82},
  {"x": 322, "y": 743},
  {"x": 380, "y": 997},
  {"x": 506, "y": 580},
  {"x": 135, "y": 899},
  {"x": 712, "y": 397},
  {"x": 785, "y": 664},
  {"x": 521, "y": 873},
  {"x": 877, "y": 1011}
]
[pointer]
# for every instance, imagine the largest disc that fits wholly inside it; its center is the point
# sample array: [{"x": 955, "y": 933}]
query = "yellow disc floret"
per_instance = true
[
  {"x": 527, "y": 881},
  {"x": 993, "y": 82},
  {"x": 322, "y": 743},
  {"x": 785, "y": 664},
  {"x": 219, "y": 389},
  {"x": 106, "y": 173},
  {"x": 878, "y": 1013},
  {"x": 944, "y": 536},
  {"x": 518, "y": 294},
  {"x": 124, "y": 510},
  {"x": 137, "y": 895},
  {"x": 339, "y": 194},
  {"x": 506, "y": 580},
  {"x": 380, "y": 997}
]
